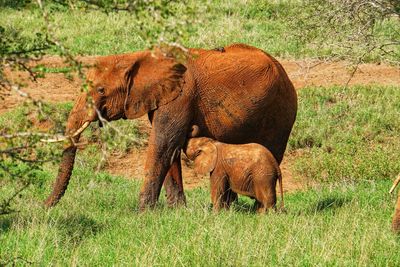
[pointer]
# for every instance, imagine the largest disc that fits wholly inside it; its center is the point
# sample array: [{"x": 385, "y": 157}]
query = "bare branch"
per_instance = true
[{"x": 5, "y": 207}]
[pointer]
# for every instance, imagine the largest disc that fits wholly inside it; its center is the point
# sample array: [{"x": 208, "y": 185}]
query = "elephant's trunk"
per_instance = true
[
  {"x": 78, "y": 120},
  {"x": 64, "y": 174}
]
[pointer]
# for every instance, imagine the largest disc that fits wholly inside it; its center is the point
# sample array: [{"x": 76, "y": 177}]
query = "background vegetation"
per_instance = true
[
  {"x": 345, "y": 140},
  {"x": 323, "y": 29}
]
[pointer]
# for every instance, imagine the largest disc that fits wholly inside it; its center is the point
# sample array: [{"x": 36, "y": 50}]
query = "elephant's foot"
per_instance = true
[
  {"x": 149, "y": 194},
  {"x": 174, "y": 193},
  {"x": 146, "y": 202}
]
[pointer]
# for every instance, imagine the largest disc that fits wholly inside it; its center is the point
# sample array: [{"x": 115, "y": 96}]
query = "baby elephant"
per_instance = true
[{"x": 247, "y": 169}]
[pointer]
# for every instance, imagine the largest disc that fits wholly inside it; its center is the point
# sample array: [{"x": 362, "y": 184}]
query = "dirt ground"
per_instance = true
[{"x": 55, "y": 87}]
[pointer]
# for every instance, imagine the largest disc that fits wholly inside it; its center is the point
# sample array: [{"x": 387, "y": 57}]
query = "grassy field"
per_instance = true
[
  {"x": 344, "y": 145},
  {"x": 97, "y": 224},
  {"x": 344, "y": 220},
  {"x": 347, "y": 134},
  {"x": 265, "y": 24}
]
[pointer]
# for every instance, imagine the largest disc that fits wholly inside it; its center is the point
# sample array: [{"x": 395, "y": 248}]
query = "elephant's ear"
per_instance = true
[
  {"x": 206, "y": 159},
  {"x": 152, "y": 81}
]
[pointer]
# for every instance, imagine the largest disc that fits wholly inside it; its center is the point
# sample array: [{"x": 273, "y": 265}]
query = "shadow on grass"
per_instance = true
[
  {"x": 244, "y": 206},
  {"x": 329, "y": 203},
  {"x": 5, "y": 223},
  {"x": 326, "y": 204},
  {"x": 76, "y": 228}
]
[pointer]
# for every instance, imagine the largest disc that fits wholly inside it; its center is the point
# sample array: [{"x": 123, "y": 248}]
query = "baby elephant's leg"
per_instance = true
[
  {"x": 265, "y": 195},
  {"x": 217, "y": 186},
  {"x": 229, "y": 197}
]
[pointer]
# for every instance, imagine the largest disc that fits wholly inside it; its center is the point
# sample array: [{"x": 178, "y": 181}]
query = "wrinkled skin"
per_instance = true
[
  {"x": 247, "y": 169},
  {"x": 237, "y": 94}
]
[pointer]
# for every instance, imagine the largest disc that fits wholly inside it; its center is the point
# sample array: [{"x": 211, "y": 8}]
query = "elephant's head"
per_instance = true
[
  {"x": 203, "y": 151},
  {"x": 121, "y": 86}
]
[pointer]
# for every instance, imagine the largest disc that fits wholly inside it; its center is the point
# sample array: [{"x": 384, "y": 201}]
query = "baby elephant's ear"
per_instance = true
[{"x": 205, "y": 162}]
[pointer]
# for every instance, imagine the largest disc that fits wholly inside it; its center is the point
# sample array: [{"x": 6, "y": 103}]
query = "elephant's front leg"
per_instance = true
[
  {"x": 158, "y": 163},
  {"x": 173, "y": 184},
  {"x": 168, "y": 134},
  {"x": 218, "y": 183}
]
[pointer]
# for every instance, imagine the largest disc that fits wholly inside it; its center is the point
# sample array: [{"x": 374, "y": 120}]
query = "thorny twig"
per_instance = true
[
  {"x": 29, "y": 134},
  {"x": 5, "y": 207},
  {"x": 350, "y": 27},
  {"x": 103, "y": 156},
  {"x": 108, "y": 124}
]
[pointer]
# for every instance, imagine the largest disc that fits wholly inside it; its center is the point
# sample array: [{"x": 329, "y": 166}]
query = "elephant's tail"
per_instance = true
[{"x": 395, "y": 183}]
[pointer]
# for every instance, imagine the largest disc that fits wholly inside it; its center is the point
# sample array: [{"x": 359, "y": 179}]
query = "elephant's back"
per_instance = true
[
  {"x": 242, "y": 93},
  {"x": 237, "y": 67},
  {"x": 233, "y": 84}
]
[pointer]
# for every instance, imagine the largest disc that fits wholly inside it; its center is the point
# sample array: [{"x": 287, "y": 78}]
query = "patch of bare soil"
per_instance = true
[
  {"x": 131, "y": 165},
  {"x": 56, "y": 87},
  {"x": 318, "y": 73}
]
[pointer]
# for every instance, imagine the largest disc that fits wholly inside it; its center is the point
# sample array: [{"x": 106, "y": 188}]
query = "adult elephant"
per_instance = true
[{"x": 235, "y": 94}]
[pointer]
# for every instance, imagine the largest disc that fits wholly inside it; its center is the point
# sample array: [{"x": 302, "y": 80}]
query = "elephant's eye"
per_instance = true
[
  {"x": 197, "y": 153},
  {"x": 100, "y": 90}
]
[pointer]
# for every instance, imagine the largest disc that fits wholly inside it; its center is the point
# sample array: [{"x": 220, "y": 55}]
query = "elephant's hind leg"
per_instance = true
[
  {"x": 265, "y": 197},
  {"x": 174, "y": 186},
  {"x": 228, "y": 197}
]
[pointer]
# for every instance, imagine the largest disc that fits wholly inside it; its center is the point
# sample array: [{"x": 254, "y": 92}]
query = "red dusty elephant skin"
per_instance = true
[
  {"x": 238, "y": 94},
  {"x": 246, "y": 169}
]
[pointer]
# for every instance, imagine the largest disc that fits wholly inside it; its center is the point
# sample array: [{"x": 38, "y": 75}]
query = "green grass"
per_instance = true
[
  {"x": 344, "y": 140},
  {"x": 347, "y": 133},
  {"x": 211, "y": 24},
  {"x": 97, "y": 223}
]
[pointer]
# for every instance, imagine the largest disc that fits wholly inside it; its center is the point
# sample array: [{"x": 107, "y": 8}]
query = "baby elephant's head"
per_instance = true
[{"x": 203, "y": 152}]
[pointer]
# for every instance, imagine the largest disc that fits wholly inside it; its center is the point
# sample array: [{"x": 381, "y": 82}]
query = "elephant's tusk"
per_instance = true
[
  {"x": 395, "y": 183},
  {"x": 61, "y": 138},
  {"x": 80, "y": 130}
]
